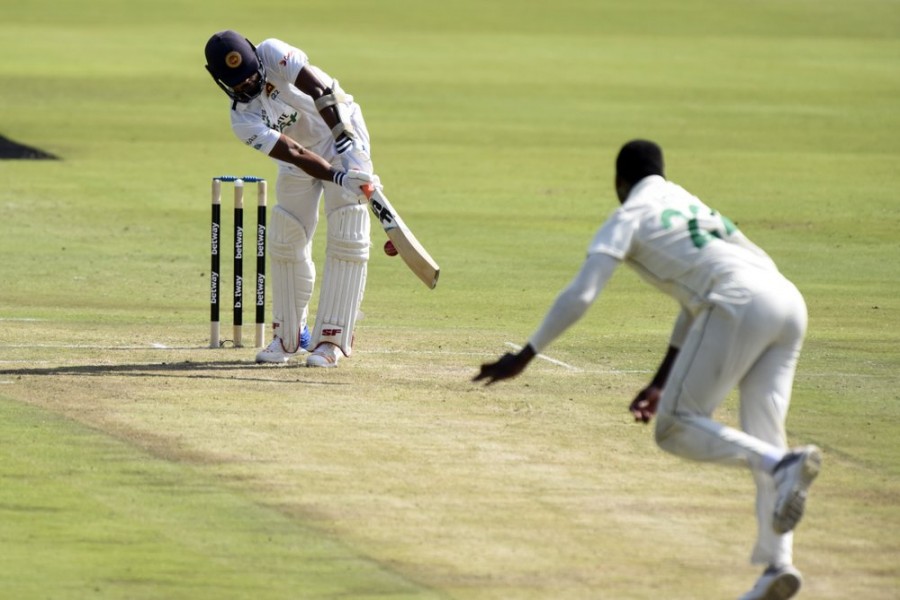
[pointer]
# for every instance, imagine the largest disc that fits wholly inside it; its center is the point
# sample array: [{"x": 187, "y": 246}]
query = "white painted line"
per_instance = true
[
  {"x": 516, "y": 347},
  {"x": 426, "y": 352},
  {"x": 617, "y": 371},
  {"x": 154, "y": 346},
  {"x": 553, "y": 361}
]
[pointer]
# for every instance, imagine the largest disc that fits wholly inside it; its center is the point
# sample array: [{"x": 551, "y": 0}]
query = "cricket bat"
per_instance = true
[{"x": 408, "y": 247}]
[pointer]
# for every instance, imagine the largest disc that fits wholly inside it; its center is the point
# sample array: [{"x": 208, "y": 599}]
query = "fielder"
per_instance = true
[
  {"x": 297, "y": 114},
  {"x": 741, "y": 325}
]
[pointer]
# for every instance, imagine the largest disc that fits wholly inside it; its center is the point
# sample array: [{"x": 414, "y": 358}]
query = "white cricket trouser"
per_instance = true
[
  {"x": 754, "y": 346},
  {"x": 298, "y": 193}
]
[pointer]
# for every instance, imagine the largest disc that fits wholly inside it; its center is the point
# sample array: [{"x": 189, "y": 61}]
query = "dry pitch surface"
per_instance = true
[{"x": 542, "y": 488}]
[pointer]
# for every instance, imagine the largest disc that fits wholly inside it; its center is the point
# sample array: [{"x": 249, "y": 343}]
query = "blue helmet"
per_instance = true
[{"x": 231, "y": 59}]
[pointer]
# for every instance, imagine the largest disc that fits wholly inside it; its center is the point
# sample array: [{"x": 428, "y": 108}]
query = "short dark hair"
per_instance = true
[{"x": 638, "y": 159}]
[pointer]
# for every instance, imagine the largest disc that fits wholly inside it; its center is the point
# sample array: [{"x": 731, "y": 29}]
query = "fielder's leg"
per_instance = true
[
  {"x": 720, "y": 348},
  {"x": 765, "y": 396},
  {"x": 293, "y": 274},
  {"x": 343, "y": 284}
]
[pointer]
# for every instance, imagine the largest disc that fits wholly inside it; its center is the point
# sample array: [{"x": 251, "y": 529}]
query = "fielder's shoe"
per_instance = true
[
  {"x": 326, "y": 355},
  {"x": 275, "y": 352},
  {"x": 793, "y": 476},
  {"x": 776, "y": 583}
]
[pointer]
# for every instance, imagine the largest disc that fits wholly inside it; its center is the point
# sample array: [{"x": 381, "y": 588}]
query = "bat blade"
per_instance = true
[{"x": 408, "y": 246}]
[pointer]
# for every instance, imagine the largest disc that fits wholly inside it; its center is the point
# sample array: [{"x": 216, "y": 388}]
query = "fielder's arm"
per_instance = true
[
  {"x": 573, "y": 301},
  {"x": 568, "y": 308},
  {"x": 644, "y": 405}
]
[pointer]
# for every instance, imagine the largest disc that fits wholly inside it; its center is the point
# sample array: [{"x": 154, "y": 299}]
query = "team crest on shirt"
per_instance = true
[
  {"x": 270, "y": 89},
  {"x": 234, "y": 59},
  {"x": 284, "y": 121}
]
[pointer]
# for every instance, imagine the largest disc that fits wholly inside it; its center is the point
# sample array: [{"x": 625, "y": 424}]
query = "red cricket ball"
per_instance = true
[{"x": 389, "y": 248}]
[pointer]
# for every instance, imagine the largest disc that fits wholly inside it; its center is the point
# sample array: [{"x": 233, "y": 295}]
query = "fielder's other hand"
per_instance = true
[
  {"x": 643, "y": 407},
  {"x": 507, "y": 367}
]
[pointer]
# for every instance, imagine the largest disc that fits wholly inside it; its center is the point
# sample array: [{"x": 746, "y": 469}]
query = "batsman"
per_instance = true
[{"x": 294, "y": 112}]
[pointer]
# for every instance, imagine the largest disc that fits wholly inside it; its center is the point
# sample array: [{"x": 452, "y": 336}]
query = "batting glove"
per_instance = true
[{"x": 352, "y": 182}]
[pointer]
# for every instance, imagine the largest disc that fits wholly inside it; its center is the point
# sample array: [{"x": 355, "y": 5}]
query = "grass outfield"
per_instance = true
[{"x": 135, "y": 463}]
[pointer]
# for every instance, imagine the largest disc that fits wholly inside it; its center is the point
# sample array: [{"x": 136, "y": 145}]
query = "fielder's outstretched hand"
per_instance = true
[
  {"x": 508, "y": 366},
  {"x": 643, "y": 407}
]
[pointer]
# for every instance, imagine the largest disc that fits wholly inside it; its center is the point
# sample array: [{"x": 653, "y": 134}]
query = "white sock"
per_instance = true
[{"x": 770, "y": 460}]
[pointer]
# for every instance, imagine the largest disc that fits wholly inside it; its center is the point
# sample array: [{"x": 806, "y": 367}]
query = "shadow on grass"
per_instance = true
[{"x": 187, "y": 369}]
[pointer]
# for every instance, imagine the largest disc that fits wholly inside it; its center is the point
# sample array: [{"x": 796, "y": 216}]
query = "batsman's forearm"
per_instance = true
[
  {"x": 289, "y": 151},
  {"x": 316, "y": 168}
]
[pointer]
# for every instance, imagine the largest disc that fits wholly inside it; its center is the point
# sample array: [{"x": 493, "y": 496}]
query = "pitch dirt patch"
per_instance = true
[{"x": 11, "y": 150}]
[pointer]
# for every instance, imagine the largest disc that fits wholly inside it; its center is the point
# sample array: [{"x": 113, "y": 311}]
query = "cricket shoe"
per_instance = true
[
  {"x": 275, "y": 352},
  {"x": 793, "y": 476},
  {"x": 325, "y": 355},
  {"x": 776, "y": 583}
]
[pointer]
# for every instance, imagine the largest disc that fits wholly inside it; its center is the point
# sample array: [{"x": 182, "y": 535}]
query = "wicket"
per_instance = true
[{"x": 215, "y": 268}]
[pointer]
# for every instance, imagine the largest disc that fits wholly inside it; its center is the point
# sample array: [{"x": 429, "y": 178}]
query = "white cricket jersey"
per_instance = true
[
  {"x": 281, "y": 107},
  {"x": 683, "y": 247},
  {"x": 675, "y": 242}
]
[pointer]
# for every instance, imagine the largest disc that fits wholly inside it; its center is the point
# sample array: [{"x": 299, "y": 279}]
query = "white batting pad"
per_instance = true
[
  {"x": 293, "y": 275},
  {"x": 344, "y": 278}
]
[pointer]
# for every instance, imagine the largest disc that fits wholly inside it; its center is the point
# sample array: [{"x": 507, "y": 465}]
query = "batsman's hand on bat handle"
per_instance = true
[
  {"x": 644, "y": 406},
  {"x": 507, "y": 367},
  {"x": 356, "y": 182},
  {"x": 352, "y": 155},
  {"x": 369, "y": 188}
]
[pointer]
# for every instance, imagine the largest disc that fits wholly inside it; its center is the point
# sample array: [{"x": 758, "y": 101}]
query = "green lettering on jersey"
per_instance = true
[
  {"x": 714, "y": 225},
  {"x": 284, "y": 121}
]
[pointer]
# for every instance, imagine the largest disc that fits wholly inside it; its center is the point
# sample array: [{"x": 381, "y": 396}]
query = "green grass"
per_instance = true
[
  {"x": 104, "y": 520},
  {"x": 133, "y": 471}
]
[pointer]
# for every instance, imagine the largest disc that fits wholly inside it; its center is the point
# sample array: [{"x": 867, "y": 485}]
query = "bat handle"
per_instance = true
[{"x": 368, "y": 189}]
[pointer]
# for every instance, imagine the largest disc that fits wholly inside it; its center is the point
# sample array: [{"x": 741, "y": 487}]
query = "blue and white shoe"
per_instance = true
[
  {"x": 275, "y": 353},
  {"x": 305, "y": 338}
]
